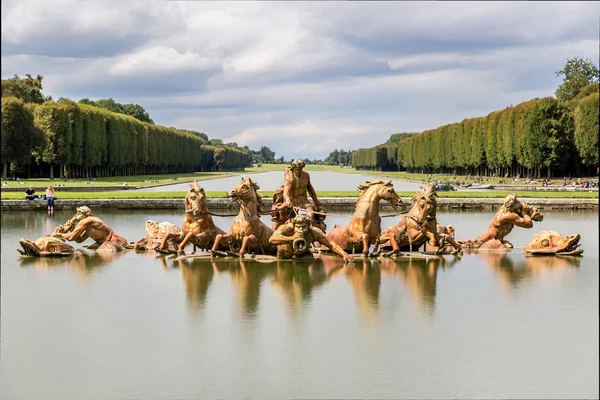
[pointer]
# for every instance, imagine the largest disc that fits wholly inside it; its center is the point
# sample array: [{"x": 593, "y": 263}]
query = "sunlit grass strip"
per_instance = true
[{"x": 130, "y": 194}]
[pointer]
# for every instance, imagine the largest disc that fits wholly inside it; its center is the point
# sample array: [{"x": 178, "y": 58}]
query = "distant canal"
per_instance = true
[
  {"x": 142, "y": 326},
  {"x": 272, "y": 180}
]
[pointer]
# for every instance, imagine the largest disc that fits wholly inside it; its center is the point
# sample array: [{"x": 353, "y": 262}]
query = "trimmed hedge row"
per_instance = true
[
  {"x": 90, "y": 141},
  {"x": 540, "y": 134}
]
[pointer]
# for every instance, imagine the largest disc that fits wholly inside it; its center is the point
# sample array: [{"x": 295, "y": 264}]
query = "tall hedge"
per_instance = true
[
  {"x": 90, "y": 141},
  {"x": 19, "y": 134},
  {"x": 586, "y": 129},
  {"x": 530, "y": 138}
]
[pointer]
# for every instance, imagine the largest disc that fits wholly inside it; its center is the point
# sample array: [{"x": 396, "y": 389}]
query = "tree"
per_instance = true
[
  {"x": 267, "y": 154},
  {"x": 578, "y": 73},
  {"x": 28, "y": 90},
  {"x": 586, "y": 129},
  {"x": 397, "y": 137},
  {"x": 135, "y": 110},
  {"x": 19, "y": 135}
]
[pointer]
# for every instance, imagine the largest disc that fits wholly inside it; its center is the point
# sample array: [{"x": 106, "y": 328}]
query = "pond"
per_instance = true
[
  {"x": 272, "y": 180},
  {"x": 141, "y": 325}
]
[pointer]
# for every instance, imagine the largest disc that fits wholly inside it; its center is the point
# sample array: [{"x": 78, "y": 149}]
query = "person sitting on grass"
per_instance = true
[{"x": 30, "y": 194}]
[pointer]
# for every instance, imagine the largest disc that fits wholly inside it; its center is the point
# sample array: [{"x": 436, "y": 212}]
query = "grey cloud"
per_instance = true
[{"x": 340, "y": 75}]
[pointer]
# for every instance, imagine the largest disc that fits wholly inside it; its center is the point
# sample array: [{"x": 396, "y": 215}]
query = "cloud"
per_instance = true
[
  {"x": 161, "y": 59},
  {"x": 306, "y": 77}
]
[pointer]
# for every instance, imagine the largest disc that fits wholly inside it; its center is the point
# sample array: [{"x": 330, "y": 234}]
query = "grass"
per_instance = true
[
  {"x": 134, "y": 180},
  {"x": 447, "y": 178},
  {"x": 309, "y": 167},
  {"x": 138, "y": 180},
  {"x": 131, "y": 194}
]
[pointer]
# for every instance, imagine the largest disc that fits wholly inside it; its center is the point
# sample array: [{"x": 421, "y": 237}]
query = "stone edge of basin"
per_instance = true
[{"x": 346, "y": 203}]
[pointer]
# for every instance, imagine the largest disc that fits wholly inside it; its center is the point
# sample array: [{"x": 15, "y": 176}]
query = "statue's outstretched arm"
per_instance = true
[
  {"x": 78, "y": 235},
  {"x": 282, "y": 235},
  {"x": 321, "y": 238},
  {"x": 522, "y": 222}
]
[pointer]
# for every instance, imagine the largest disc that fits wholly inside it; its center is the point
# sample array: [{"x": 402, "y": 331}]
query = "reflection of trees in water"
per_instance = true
[{"x": 515, "y": 270}]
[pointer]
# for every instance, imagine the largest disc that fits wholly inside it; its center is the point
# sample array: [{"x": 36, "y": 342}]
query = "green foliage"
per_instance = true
[
  {"x": 397, "y": 137},
  {"x": 586, "y": 129},
  {"x": 28, "y": 89},
  {"x": 19, "y": 134},
  {"x": 339, "y": 157},
  {"x": 135, "y": 110},
  {"x": 54, "y": 121},
  {"x": 578, "y": 73}
]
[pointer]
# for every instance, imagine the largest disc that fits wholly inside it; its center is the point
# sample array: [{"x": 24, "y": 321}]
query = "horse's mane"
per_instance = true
[
  {"x": 428, "y": 192},
  {"x": 368, "y": 184},
  {"x": 259, "y": 200}
]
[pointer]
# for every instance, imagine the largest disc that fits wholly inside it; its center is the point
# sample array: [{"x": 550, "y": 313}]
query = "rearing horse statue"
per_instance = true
[
  {"x": 418, "y": 227},
  {"x": 248, "y": 232},
  {"x": 364, "y": 228},
  {"x": 198, "y": 227}
]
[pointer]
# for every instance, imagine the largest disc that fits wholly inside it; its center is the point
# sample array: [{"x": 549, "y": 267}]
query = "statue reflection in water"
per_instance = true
[
  {"x": 513, "y": 270},
  {"x": 84, "y": 265}
]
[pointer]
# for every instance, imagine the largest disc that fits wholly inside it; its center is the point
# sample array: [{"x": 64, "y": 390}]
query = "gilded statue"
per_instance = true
[
  {"x": 418, "y": 227},
  {"x": 294, "y": 240},
  {"x": 86, "y": 225},
  {"x": 511, "y": 213},
  {"x": 248, "y": 233},
  {"x": 293, "y": 194},
  {"x": 197, "y": 228},
  {"x": 553, "y": 243},
  {"x": 46, "y": 246},
  {"x": 364, "y": 228}
]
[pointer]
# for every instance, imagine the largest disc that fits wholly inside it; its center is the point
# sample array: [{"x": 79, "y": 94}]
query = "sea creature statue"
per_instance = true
[
  {"x": 364, "y": 228},
  {"x": 86, "y": 225},
  {"x": 198, "y": 227},
  {"x": 292, "y": 195},
  {"x": 552, "y": 243},
  {"x": 511, "y": 213},
  {"x": 418, "y": 227},
  {"x": 295, "y": 238},
  {"x": 155, "y": 233},
  {"x": 248, "y": 232},
  {"x": 46, "y": 246}
]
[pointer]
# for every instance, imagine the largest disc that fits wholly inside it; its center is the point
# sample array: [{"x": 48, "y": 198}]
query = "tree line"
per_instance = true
[
  {"x": 550, "y": 136},
  {"x": 88, "y": 141},
  {"x": 44, "y": 138}
]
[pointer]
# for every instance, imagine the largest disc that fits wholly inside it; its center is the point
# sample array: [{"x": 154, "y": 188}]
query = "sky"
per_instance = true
[{"x": 303, "y": 78}]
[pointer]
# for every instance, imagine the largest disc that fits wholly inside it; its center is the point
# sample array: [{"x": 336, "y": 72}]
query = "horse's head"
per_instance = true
[
  {"x": 246, "y": 191},
  {"x": 195, "y": 198},
  {"x": 425, "y": 203},
  {"x": 384, "y": 190}
]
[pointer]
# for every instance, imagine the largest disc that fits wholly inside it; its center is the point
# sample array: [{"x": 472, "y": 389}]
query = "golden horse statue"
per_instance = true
[
  {"x": 198, "y": 227},
  {"x": 248, "y": 232},
  {"x": 418, "y": 227},
  {"x": 364, "y": 228}
]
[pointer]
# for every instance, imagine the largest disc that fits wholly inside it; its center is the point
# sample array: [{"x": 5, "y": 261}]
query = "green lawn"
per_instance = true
[
  {"x": 309, "y": 167},
  {"x": 447, "y": 178},
  {"x": 135, "y": 180},
  {"x": 140, "y": 180},
  {"x": 131, "y": 194}
]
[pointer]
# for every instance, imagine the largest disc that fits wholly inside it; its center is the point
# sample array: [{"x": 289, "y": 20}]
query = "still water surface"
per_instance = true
[
  {"x": 145, "y": 326},
  {"x": 272, "y": 180}
]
